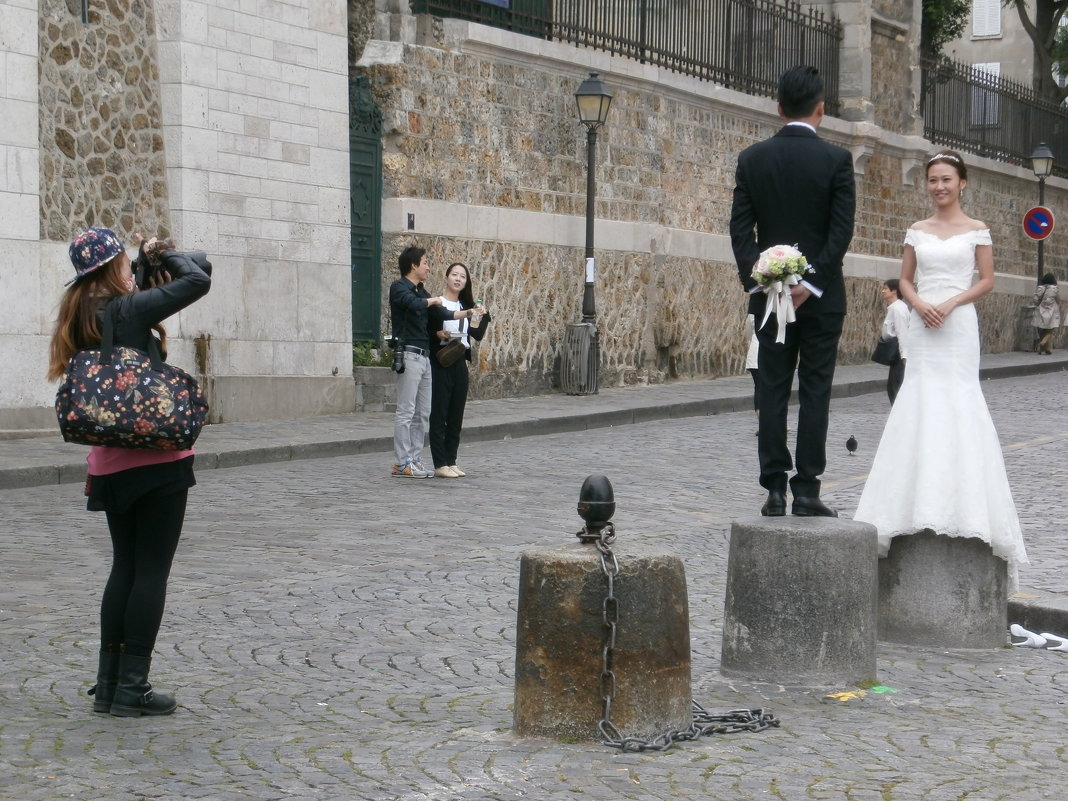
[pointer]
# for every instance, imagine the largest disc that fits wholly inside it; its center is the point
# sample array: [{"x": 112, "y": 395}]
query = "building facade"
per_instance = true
[
  {"x": 304, "y": 144},
  {"x": 225, "y": 130}
]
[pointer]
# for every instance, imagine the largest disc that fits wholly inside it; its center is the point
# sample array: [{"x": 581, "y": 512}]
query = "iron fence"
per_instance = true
[
  {"x": 976, "y": 112},
  {"x": 741, "y": 44}
]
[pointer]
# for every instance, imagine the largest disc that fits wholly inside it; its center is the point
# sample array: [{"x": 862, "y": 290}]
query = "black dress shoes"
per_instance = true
[
  {"x": 812, "y": 507},
  {"x": 775, "y": 506}
]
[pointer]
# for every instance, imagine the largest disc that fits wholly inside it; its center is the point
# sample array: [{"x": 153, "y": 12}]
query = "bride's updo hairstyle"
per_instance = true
[{"x": 951, "y": 158}]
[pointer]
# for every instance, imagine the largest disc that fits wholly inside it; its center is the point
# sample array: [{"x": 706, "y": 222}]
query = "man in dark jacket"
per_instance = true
[
  {"x": 408, "y": 302},
  {"x": 796, "y": 189}
]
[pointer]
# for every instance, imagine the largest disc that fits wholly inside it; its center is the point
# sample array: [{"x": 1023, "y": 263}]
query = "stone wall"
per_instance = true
[
  {"x": 896, "y": 105},
  {"x": 483, "y": 147},
  {"x": 102, "y": 154}
]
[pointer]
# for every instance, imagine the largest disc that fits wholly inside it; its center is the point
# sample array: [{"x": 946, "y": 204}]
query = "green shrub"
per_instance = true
[{"x": 368, "y": 354}]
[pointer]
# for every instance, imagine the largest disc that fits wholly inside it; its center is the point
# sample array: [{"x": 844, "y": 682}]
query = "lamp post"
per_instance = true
[
  {"x": 1042, "y": 165},
  {"x": 593, "y": 101},
  {"x": 580, "y": 358}
]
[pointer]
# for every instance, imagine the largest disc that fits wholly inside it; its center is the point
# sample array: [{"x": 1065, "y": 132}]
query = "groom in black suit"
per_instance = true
[{"x": 796, "y": 189}]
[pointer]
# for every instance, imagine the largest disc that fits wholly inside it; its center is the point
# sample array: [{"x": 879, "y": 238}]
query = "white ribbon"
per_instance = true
[{"x": 778, "y": 301}]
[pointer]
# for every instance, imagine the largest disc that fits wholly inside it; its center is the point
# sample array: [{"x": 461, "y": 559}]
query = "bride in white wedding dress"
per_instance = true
[{"x": 939, "y": 464}]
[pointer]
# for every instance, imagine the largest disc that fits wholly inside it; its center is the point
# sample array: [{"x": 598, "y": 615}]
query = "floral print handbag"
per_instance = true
[{"x": 126, "y": 398}]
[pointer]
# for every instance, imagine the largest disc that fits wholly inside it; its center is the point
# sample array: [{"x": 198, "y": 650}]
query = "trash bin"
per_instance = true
[{"x": 580, "y": 359}]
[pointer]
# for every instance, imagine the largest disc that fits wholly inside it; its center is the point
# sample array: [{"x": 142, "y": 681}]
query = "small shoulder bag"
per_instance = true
[
  {"x": 452, "y": 351},
  {"x": 887, "y": 351}
]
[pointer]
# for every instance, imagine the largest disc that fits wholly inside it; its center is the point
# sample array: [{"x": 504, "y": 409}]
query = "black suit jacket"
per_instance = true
[{"x": 795, "y": 189}]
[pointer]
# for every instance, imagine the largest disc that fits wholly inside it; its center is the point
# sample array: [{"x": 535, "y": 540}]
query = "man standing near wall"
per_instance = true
[
  {"x": 408, "y": 302},
  {"x": 796, "y": 189}
]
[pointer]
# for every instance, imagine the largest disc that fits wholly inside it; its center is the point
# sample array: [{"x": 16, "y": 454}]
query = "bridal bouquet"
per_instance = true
[{"x": 779, "y": 268}]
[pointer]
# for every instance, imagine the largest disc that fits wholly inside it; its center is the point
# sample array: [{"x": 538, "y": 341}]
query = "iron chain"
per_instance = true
[{"x": 704, "y": 723}]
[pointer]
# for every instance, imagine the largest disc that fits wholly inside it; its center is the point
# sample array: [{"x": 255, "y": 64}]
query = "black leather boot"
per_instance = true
[
  {"x": 107, "y": 676},
  {"x": 134, "y": 696}
]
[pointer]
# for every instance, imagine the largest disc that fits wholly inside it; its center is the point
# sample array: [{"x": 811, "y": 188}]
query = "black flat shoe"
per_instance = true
[
  {"x": 775, "y": 506},
  {"x": 812, "y": 507}
]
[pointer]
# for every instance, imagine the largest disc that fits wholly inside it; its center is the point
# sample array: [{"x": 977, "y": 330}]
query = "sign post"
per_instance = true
[{"x": 1038, "y": 224}]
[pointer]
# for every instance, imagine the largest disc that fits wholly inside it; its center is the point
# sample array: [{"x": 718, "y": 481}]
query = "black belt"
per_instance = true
[{"x": 414, "y": 349}]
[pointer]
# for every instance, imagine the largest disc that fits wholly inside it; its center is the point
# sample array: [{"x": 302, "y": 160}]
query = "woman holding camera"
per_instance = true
[
  {"x": 459, "y": 317},
  {"x": 142, "y": 492}
]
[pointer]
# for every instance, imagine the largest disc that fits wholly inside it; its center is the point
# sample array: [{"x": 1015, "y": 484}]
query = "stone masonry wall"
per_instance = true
[
  {"x": 102, "y": 155},
  {"x": 470, "y": 129},
  {"x": 891, "y": 78}
]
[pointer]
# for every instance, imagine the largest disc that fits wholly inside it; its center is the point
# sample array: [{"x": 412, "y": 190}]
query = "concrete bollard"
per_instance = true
[
  {"x": 561, "y": 646},
  {"x": 943, "y": 592},
  {"x": 801, "y": 601},
  {"x": 560, "y": 639}
]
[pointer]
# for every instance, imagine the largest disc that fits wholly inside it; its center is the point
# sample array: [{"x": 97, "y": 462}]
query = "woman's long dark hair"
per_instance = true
[
  {"x": 1049, "y": 279},
  {"x": 467, "y": 294},
  {"x": 76, "y": 327}
]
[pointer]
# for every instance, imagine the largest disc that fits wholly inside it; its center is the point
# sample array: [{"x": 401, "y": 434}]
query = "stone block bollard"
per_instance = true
[
  {"x": 560, "y": 639},
  {"x": 801, "y": 601},
  {"x": 560, "y": 681},
  {"x": 943, "y": 592}
]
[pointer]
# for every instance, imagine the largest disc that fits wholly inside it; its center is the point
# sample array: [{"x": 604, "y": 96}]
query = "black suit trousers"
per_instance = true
[
  {"x": 447, "y": 403},
  {"x": 812, "y": 348}
]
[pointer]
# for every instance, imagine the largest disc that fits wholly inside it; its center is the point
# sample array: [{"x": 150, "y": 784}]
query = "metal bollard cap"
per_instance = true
[{"x": 597, "y": 502}]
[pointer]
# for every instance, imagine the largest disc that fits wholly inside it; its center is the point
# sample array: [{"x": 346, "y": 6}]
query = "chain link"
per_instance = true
[{"x": 704, "y": 723}]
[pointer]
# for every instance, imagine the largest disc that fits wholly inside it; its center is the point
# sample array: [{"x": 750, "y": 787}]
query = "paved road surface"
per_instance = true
[{"x": 333, "y": 633}]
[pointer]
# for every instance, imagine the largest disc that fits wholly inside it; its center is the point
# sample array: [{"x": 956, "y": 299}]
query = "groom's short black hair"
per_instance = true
[{"x": 800, "y": 89}]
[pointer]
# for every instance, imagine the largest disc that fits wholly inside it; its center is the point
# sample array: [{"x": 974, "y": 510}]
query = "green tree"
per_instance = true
[
  {"x": 1045, "y": 33},
  {"x": 943, "y": 21}
]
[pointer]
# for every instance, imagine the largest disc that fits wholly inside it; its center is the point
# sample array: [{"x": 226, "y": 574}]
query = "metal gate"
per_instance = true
[{"x": 365, "y": 210}]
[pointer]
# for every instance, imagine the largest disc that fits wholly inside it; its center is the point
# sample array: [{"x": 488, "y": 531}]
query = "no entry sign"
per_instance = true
[{"x": 1038, "y": 222}]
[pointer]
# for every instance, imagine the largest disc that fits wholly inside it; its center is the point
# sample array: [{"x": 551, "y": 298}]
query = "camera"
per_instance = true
[
  {"x": 149, "y": 261},
  {"x": 398, "y": 355}
]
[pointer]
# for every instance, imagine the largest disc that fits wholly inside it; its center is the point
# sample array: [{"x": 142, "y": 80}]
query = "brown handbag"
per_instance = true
[{"x": 450, "y": 353}]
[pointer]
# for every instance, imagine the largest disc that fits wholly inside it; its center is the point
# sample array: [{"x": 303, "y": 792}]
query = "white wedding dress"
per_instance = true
[{"x": 939, "y": 464}]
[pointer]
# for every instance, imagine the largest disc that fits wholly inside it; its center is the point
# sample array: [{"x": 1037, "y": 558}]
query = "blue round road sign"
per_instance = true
[{"x": 1038, "y": 222}]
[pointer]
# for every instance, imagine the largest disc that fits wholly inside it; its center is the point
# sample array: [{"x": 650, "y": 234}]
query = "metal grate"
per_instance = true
[
  {"x": 977, "y": 112},
  {"x": 741, "y": 44}
]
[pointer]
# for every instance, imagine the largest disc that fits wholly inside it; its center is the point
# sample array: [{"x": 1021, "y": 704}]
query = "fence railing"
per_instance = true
[
  {"x": 976, "y": 112},
  {"x": 741, "y": 44}
]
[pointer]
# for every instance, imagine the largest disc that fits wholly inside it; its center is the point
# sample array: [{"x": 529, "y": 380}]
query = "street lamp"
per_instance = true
[
  {"x": 580, "y": 358},
  {"x": 593, "y": 101},
  {"x": 1042, "y": 165}
]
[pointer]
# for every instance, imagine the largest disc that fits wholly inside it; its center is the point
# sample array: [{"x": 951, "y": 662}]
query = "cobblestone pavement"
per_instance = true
[{"x": 333, "y": 633}]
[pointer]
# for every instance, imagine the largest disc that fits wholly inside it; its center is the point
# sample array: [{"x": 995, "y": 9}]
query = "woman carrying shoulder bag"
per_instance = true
[
  {"x": 459, "y": 318},
  {"x": 142, "y": 492},
  {"x": 1047, "y": 314}
]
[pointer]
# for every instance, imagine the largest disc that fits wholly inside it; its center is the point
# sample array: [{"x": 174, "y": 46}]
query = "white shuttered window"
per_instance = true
[
  {"x": 985, "y": 103},
  {"x": 986, "y": 18}
]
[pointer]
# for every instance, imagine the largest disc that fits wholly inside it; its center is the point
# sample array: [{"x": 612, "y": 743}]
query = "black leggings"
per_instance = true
[{"x": 144, "y": 540}]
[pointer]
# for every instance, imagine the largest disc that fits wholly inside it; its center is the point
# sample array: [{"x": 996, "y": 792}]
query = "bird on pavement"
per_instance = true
[{"x": 851, "y": 445}]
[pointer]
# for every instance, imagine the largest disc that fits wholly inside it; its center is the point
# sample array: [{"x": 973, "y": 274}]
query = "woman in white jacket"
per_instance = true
[
  {"x": 896, "y": 324},
  {"x": 1047, "y": 316}
]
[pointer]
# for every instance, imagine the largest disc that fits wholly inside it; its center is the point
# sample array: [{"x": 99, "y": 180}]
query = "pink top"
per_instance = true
[{"x": 104, "y": 460}]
